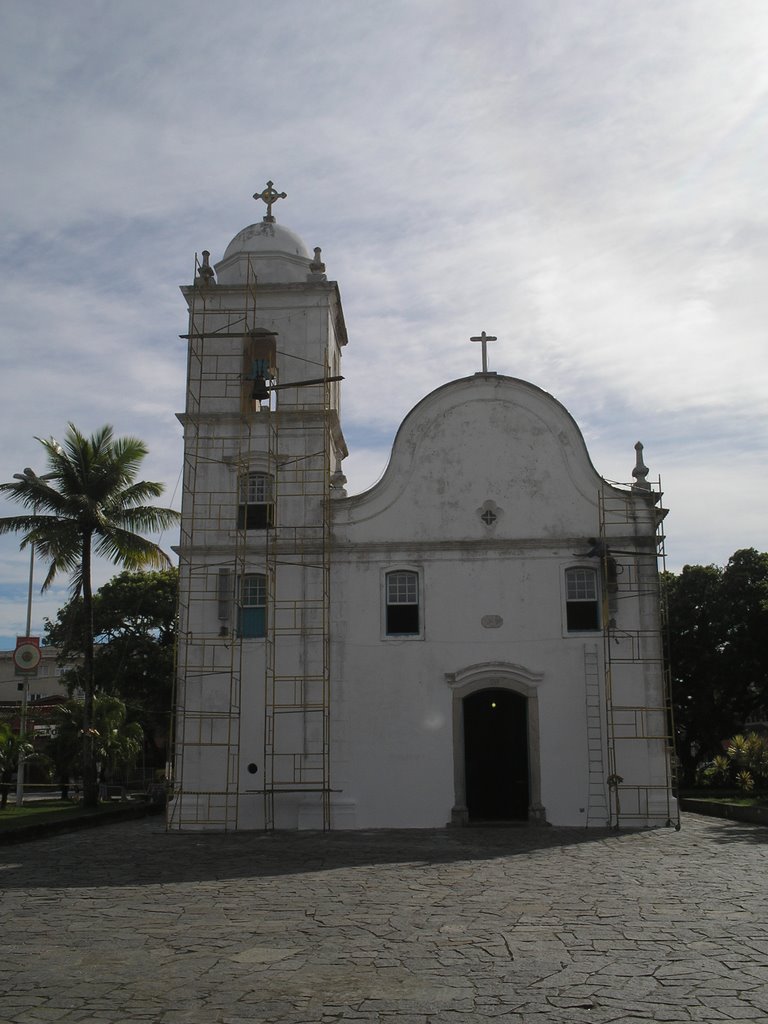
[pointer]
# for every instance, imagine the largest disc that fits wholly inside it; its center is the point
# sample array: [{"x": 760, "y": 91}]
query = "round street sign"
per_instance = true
[{"x": 27, "y": 656}]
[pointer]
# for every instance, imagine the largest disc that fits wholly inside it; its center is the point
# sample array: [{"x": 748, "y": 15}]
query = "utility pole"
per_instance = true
[{"x": 25, "y": 686}]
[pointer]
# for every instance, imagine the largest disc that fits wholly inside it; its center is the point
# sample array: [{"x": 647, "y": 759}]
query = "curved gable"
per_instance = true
[{"x": 483, "y": 444}]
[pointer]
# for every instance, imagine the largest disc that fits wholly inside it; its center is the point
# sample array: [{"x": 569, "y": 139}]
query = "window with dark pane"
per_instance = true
[
  {"x": 581, "y": 604},
  {"x": 256, "y": 506},
  {"x": 402, "y": 603}
]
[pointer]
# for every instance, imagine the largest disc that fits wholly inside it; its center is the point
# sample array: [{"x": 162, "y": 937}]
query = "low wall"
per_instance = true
[
  {"x": 734, "y": 812},
  {"x": 88, "y": 819}
]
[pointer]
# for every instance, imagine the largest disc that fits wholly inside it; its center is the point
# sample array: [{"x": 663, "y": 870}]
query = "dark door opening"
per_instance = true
[{"x": 496, "y": 755}]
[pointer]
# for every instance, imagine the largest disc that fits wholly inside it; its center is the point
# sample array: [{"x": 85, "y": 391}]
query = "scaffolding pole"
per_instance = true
[
  {"x": 297, "y": 692},
  {"x": 640, "y": 732},
  {"x": 207, "y": 702}
]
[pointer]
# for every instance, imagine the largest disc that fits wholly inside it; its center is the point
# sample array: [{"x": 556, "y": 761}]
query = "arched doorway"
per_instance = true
[{"x": 496, "y": 755}]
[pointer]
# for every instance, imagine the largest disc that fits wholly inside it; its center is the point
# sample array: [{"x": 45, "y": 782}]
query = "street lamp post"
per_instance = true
[{"x": 25, "y": 685}]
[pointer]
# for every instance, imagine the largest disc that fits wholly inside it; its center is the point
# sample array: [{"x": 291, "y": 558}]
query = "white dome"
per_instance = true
[
  {"x": 266, "y": 237},
  {"x": 275, "y": 255}
]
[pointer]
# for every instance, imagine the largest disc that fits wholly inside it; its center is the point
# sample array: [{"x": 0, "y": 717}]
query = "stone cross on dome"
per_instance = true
[
  {"x": 270, "y": 195},
  {"x": 484, "y": 339}
]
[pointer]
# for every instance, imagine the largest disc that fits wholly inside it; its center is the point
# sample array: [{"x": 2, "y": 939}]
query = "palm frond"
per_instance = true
[
  {"x": 147, "y": 518},
  {"x": 131, "y": 550},
  {"x": 136, "y": 494},
  {"x": 128, "y": 453},
  {"x": 34, "y": 492},
  {"x": 18, "y": 524},
  {"x": 56, "y": 541},
  {"x": 61, "y": 546}
]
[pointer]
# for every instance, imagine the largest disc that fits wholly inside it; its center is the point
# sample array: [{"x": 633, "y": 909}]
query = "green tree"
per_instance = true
[
  {"x": 11, "y": 746},
  {"x": 745, "y": 651},
  {"x": 704, "y": 710},
  {"x": 134, "y": 617},
  {"x": 117, "y": 743},
  {"x": 89, "y": 502},
  {"x": 718, "y": 620}
]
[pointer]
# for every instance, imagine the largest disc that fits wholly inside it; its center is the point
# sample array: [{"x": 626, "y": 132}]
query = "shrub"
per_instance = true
[{"x": 745, "y": 764}]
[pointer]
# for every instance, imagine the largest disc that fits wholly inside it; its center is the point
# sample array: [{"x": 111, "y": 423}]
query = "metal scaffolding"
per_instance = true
[
  {"x": 297, "y": 677},
  {"x": 218, "y": 435},
  {"x": 240, "y": 418},
  {"x": 640, "y": 733}
]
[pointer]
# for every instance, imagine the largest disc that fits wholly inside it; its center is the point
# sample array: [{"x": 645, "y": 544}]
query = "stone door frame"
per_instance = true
[{"x": 502, "y": 676}]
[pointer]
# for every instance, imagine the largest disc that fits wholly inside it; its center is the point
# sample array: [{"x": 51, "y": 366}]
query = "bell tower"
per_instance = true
[{"x": 263, "y": 449}]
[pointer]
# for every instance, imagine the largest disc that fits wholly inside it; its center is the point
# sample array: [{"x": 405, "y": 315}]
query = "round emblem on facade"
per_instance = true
[{"x": 491, "y": 621}]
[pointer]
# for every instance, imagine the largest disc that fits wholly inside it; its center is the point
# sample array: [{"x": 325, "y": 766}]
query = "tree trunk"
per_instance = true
[{"x": 90, "y": 783}]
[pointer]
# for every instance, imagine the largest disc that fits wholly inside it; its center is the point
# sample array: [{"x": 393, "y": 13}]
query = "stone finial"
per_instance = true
[
  {"x": 338, "y": 480},
  {"x": 317, "y": 266},
  {"x": 205, "y": 270},
  {"x": 640, "y": 472}
]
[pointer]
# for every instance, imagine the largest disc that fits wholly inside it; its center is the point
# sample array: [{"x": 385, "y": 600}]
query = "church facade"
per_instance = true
[{"x": 476, "y": 638}]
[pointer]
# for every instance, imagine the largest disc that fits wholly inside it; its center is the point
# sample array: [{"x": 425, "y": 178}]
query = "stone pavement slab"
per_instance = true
[{"x": 514, "y": 926}]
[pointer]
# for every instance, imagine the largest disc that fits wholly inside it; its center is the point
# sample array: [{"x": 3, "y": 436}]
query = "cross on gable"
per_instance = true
[
  {"x": 484, "y": 339},
  {"x": 269, "y": 195}
]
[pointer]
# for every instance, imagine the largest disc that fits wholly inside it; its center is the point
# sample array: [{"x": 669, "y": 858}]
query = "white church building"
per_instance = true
[{"x": 476, "y": 638}]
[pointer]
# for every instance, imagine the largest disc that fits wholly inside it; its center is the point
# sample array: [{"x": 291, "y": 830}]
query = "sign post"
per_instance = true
[{"x": 26, "y": 658}]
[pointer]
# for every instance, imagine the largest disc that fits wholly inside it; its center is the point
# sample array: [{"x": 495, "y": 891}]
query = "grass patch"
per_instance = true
[
  {"x": 40, "y": 811},
  {"x": 739, "y": 800}
]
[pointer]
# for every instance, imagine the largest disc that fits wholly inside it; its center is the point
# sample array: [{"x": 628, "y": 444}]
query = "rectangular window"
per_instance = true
[
  {"x": 252, "y": 607},
  {"x": 255, "y": 510},
  {"x": 581, "y": 604},
  {"x": 402, "y": 603}
]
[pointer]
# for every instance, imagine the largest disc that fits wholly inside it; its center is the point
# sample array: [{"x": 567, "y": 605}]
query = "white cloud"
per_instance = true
[{"x": 584, "y": 181}]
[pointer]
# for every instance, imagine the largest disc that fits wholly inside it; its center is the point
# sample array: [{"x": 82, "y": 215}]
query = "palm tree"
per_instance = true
[
  {"x": 89, "y": 502},
  {"x": 118, "y": 743},
  {"x": 12, "y": 746}
]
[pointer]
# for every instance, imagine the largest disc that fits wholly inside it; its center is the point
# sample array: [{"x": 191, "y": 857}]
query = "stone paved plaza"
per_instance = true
[{"x": 128, "y": 923}]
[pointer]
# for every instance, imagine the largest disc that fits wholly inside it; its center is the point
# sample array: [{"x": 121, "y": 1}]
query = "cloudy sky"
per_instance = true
[{"x": 584, "y": 179}]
